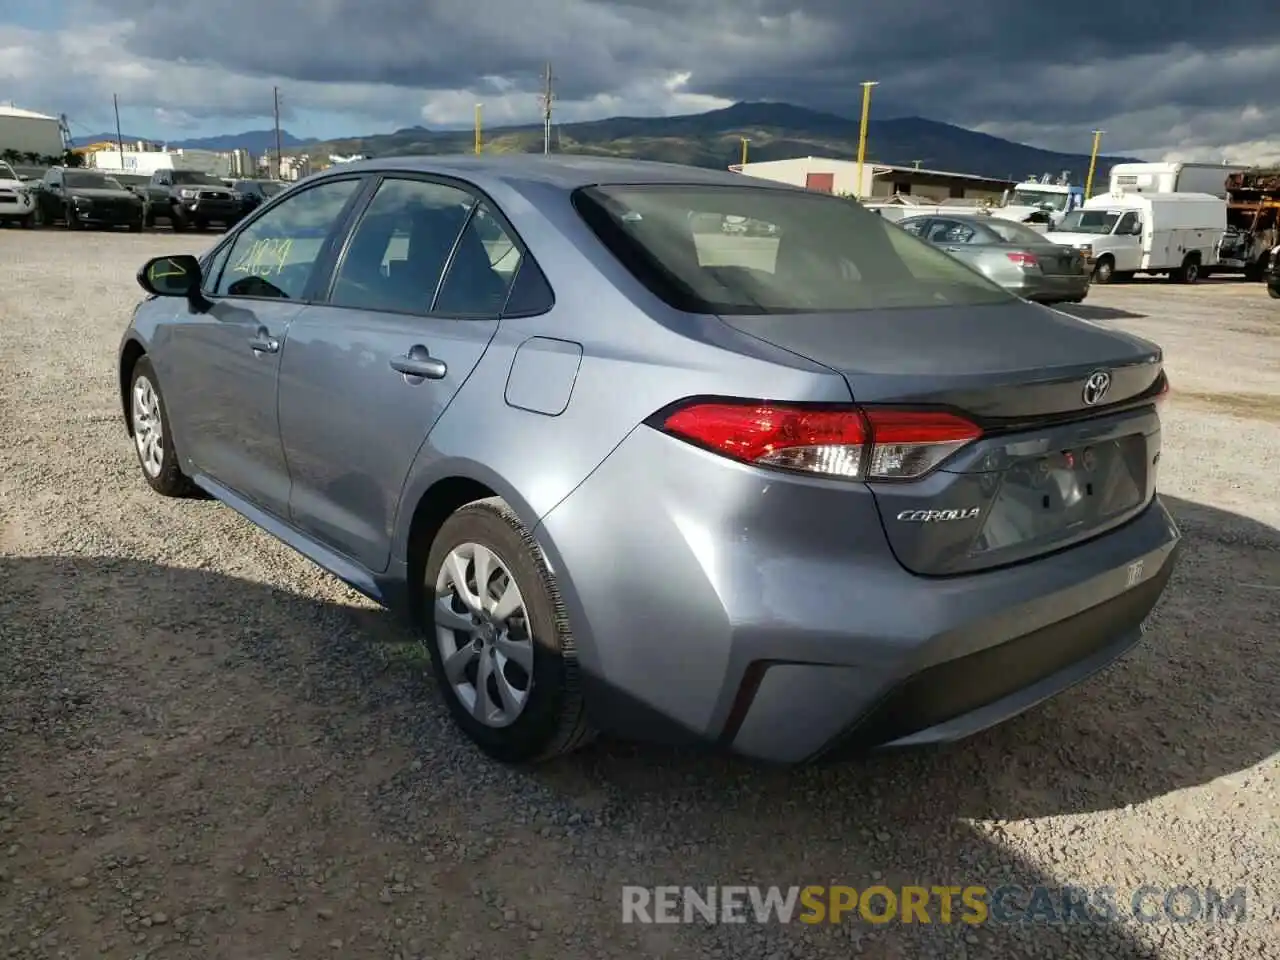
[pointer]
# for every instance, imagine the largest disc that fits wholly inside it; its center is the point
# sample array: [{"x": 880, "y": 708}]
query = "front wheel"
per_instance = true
[
  {"x": 1274, "y": 292},
  {"x": 29, "y": 221},
  {"x": 177, "y": 220},
  {"x": 499, "y": 638},
  {"x": 69, "y": 218},
  {"x": 1104, "y": 270},
  {"x": 152, "y": 437}
]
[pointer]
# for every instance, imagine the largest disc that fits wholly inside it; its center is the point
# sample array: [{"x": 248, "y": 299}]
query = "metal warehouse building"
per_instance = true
[
  {"x": 29, "y": 132},
  {"x": 878, "y": 179}
]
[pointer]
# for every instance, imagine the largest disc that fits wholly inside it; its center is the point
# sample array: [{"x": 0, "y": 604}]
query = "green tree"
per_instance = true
[
  {"x": 72, "y": 159},
  {"x": 31, "y": 157},
  {"x": 10, "y": 156}
]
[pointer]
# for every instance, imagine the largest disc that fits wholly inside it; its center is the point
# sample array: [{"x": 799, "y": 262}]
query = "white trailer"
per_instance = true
[
  {"x": 1173, "y": 177},
  {"x": 1178, "y": 234}
]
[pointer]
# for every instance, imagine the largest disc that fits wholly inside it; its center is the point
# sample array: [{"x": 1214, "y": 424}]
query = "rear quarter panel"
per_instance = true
[{"x": 638, "y": 356}]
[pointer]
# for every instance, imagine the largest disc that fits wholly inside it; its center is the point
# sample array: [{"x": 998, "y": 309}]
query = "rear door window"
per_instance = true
[{"x": 801, "y": 253}]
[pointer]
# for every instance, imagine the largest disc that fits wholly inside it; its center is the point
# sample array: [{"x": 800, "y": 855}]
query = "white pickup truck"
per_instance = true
[{"x": 16, "y": 202}]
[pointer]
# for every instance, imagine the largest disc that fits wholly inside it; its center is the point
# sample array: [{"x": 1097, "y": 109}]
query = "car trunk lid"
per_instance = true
[{"x": 1062, "y": 458}]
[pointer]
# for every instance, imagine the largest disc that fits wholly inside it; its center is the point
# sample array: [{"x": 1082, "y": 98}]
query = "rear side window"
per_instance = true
[{"x": 761, "y": 250}]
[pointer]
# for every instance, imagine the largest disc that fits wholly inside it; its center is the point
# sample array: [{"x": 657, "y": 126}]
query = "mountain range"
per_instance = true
[{"x": 714, "y": 139}]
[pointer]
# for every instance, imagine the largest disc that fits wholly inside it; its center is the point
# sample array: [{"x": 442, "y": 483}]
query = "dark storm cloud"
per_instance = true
[{"x": 980, "y": 61}]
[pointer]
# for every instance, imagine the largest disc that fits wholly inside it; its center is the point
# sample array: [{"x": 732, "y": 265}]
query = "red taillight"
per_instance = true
[
  {"x": 1164, "y": 389},
  {"x": 1024, "y": 260},
  {"x": 849, "y": 442}
]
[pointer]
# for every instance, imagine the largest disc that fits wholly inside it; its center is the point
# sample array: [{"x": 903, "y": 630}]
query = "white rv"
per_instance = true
[
  {"x": 1178, "y": 234},
  {"x": 1173, "y": 177}
]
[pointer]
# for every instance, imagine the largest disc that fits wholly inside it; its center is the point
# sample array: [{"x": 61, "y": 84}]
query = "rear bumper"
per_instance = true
[
  {"x": 766, "y": 614},
  {"x": 1052, "y": 288}
]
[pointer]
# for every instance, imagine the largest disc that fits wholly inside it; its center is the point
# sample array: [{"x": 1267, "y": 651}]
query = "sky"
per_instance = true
[{"x": 1164, "y": 79}]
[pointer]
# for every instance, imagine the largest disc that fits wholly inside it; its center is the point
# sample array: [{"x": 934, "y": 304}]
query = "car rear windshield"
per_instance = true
[
  {"x": 1012, "y": 232},
  {"x": 749, "y": 250}
]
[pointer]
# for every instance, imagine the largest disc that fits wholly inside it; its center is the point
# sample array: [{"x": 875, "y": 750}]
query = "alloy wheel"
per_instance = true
[
  {"x": 148, "y": 429},
  {"x": 483, "y": 635}
]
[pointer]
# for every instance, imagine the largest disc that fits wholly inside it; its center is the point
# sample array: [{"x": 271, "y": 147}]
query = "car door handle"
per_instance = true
[
  {"x": 419, "y": 364},
  {"x": 264, "y": 343},
  {"x": 951, "y": 249}
]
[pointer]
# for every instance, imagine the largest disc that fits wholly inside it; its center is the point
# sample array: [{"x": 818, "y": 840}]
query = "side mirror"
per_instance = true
[{"x": 176, "y": 276}]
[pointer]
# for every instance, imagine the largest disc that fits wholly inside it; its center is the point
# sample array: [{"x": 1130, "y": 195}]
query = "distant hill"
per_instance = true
[
  {"x": 776, "y": 131},
  {"x": 256, "y": 142}
]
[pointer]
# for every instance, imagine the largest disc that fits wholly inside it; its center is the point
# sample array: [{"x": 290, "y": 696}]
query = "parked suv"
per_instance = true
[
  {"x": 16, "y": 203},
  {"x": 254, "y": 193},
  {"x": 86, "y": 198},
  {"x": 189, "y": 198}
]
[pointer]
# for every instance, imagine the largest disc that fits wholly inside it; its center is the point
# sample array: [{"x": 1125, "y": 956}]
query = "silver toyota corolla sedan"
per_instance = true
[
  {"x": 1014, "y": 256},
  {"x": 811, "y": 490}
]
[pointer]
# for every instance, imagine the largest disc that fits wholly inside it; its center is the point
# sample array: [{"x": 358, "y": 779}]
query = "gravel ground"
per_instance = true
[{"x": 209, "y": 748}]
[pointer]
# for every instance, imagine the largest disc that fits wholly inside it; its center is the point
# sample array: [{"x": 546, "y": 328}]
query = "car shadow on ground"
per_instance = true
[
  {"x": 1193, "y": 703},
  {"x": 1089, "y": 311}
]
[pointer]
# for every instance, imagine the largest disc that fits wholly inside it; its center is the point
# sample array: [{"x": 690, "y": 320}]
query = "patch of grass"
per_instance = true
[{"x": 1249, "y": 406}]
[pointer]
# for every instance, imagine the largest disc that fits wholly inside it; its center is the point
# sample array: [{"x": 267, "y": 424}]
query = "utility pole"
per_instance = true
[
  {"x": 1093, "y": 162},
  {"x": 115, "y": 102},
  {"x": 479, "y": 107},
  {"x": 745, "y": 141},
  {"x": 862, "y": 130},
  {"x": 548, "y": 96},
  {"x": 275, "y": 94}
]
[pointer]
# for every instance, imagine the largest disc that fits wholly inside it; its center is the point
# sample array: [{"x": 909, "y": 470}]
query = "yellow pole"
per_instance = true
[
  {"x": 479, "y": 107},
  {"x": 1093, "y": 162},
  {"x": 745, "y": 140},
  {"x": 862, "y": 131}
]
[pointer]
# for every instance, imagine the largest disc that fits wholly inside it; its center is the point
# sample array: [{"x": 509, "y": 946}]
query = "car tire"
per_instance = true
[
  {"x": 1273, "y": 292},
  {"x": 156, "y": 456},
  {"x": 1189, "y": 272},
  {"x": 28, "y": 222},
  {"x": 135, "y": 226},
  {"x": 531, "y": 706},
  {"x": 177, "y": 220},
  {"x": 69, "y": 218},
  {"x": 1104, "y": 270}
]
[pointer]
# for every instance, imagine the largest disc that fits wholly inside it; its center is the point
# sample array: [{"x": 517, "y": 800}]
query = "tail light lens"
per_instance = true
[
  {"x": 1164, "y": 389},
  {"x": 1025, "y": 260},
  {"x": 853, "y": 443}
]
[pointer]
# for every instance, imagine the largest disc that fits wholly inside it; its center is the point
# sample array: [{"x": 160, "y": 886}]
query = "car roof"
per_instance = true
[{"x": 567, "y": 172}]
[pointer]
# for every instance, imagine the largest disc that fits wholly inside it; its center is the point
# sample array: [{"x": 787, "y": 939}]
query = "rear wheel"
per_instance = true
[
  {"x": 499, "y": 638},
  {"x": 1104, "y": 270},
  {"x": 152, "y": 437},
  {"x": 1274, "y": 291},
  {"x": 1189, "y": 272}
]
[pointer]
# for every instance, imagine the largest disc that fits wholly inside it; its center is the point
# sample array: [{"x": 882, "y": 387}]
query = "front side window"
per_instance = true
[
  {"x": 820, "y": 254},
  {"x": 1089, "y": 221},
  {"x": 952, "y": 232},
  {"x": 276, "y": 255},
  {"x": 1128, "y": 225}
]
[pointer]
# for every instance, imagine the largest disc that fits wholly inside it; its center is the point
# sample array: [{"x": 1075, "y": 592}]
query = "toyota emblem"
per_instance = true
[{"x": 1096, "y": 387}]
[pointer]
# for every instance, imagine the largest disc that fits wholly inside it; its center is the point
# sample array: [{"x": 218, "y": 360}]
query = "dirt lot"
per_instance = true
[{"x": 210, "y": 749}]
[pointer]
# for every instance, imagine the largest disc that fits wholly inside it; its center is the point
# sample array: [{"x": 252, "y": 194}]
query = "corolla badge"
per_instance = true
[
  {"x": 935, "y": 516},
  {"x": 1096, "y": 387}
]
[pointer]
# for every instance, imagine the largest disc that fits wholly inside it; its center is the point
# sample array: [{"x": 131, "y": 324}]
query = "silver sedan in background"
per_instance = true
[{"x": 1016, "y": 257}]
